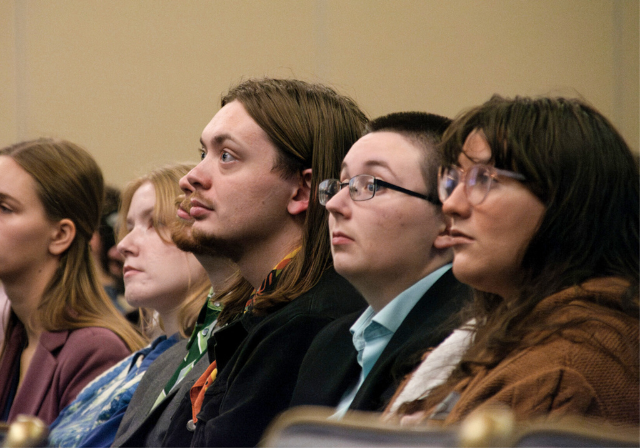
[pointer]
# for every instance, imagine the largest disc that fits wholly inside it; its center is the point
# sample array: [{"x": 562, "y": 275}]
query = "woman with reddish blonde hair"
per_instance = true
[{"x": 158, "y": 277}]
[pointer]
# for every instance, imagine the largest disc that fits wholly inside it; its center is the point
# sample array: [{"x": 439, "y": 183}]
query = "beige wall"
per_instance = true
[{"x": 135, "y": 81}]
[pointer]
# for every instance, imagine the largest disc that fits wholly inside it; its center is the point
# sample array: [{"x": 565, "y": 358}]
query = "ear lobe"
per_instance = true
[
  {"x": 62, "y": 236},
  {"x": 299, "y": 202}
]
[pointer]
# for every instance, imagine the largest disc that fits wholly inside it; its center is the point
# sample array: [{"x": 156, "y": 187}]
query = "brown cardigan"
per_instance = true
[{"x": 589, "y": 370}]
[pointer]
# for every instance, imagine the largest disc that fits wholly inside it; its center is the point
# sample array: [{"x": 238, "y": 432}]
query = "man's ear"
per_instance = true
[
  {"x": 299, "y": 202},
  {"x": 62, "y": 235}
]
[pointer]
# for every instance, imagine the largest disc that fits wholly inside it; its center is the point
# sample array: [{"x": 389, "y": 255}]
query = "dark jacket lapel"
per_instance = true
[{"x": 426, "y": 325}]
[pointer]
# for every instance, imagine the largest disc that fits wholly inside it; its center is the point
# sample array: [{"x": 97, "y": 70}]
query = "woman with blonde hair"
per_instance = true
[
  {"x": 63, "y": 330},
  {"x": 159, "y": 278}
]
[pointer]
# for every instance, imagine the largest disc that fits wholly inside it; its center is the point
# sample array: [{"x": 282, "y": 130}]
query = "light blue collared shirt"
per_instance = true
[{"x": 372, "y": 332}]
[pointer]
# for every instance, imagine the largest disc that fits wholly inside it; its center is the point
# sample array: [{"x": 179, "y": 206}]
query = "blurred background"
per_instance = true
[{"x": 136, "y": 81}]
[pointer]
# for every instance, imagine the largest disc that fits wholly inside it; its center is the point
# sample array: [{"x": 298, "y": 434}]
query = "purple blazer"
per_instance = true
[{"x": 63, "y": 363}]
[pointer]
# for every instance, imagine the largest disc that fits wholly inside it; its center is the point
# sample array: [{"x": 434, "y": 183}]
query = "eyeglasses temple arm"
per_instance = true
[{"x": 429, "y": 198}]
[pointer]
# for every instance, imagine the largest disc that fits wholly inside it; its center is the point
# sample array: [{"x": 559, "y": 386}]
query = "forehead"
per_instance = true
[
  {"x": 143, "y": 199},
  {"x": 475, "y": 149},
  {"x": 15, "y": 181},
  {"x": 233, "y": 123},
  {"x": 386, "y": 150}
]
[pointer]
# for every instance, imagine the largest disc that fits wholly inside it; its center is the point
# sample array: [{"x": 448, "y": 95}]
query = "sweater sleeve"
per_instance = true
[{"x": 552, "y": 393}]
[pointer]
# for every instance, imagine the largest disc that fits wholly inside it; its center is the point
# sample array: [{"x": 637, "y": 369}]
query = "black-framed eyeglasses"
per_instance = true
[
  {"x": 362, "y": 188},
  {"x": 477, "y": 181}
]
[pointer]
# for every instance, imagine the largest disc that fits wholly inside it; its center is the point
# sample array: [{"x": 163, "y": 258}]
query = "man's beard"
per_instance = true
[
  {"x": 188, "y": 239},
  {"x": 182, "y": 231},
  {"x": 181, "y": 234},
  {"x": 197, "y": 242},
  {"x": 211, "y": 245}
]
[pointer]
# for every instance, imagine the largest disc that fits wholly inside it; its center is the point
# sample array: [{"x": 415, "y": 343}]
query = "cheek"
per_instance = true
[
  {"x": 385, "y": 234},
  {"x": 32, "y": 240},
  {"x": 520, "y": 227}
]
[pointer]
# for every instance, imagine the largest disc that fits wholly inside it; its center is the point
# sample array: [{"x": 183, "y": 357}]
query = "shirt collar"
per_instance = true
[{"x": 394, "y": 313}]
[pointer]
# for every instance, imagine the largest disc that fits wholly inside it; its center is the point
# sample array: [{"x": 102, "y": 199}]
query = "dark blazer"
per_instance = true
[
  {"x": 330, "y": 367},
  {"x": 62, "y": 364},
  {"x": 258, "y": 358},
  {"x": 138, "y": 426}
]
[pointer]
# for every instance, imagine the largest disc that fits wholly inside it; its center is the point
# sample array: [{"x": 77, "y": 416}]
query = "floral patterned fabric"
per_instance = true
[{"x": 92, "y": 419}]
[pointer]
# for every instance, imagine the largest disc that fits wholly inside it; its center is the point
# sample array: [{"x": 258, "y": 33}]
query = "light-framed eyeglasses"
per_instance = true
[
  {"x": 362, "y": 188},
  {"x": 477, "y": 181}
]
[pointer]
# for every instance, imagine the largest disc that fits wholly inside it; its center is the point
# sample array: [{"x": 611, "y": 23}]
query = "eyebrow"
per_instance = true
[
  {"x": 4, "y": 196},
  {"x": 370, "y": 164},
  {"x": 146, "y": 213},
  {"x": 219, "y": 139},
  {"x": 475, "y": 161}
]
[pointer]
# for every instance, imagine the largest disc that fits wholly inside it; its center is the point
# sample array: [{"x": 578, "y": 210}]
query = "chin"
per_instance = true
[
  {"x": 466, "y": 275},
  {"x": 348, "y": 271},
  {"x": 142, "y": 304}
]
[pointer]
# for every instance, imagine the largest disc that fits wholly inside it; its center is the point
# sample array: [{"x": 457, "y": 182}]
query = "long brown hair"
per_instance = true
[
  {"x": 580, "y": 167},
  {"x": 312, "y": 126},
  {"x": 70, "y": 185},
  {"x": 165, "y": 183}
]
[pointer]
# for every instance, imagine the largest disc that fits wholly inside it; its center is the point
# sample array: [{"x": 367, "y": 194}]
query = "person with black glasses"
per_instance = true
[{"x": 388, "y": 237}]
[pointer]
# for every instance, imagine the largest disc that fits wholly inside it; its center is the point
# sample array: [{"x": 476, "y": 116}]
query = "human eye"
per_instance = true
[
  {"x": 480, "y": 176},
  {"x": 128, "y": 227},
  {"x": 226, "y": 157},
  {"x": 5, "y": 209},
  {"x": 159, "y": 222},
  {"x": 203, "y": 152}
]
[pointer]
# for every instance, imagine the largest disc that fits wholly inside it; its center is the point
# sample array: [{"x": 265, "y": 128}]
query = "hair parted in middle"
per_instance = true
[
  {"x": 312, "y": 126},
  {"x": 70, "y": 185}
]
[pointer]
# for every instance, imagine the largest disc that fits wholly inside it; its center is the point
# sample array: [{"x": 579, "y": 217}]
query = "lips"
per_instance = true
[
  {"x": 183, "y": 209},
  {"x": 339, "y": 238},
  {"x": 183, "y": 214},
  {"x": 198, "y": 208},
  {"x": 128, "y": 271},
  {"x": 457, "y": 237}
]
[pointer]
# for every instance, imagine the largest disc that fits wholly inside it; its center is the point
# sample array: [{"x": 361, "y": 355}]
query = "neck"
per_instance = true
[
  {"x": 170, "y": 322},
  {"x": 219, "y": 269},
  {"x": 25, "y": 290},
  {"x": 379, "y": 290},
  {"x": 24, "y": 298},
  {"x": 256, "y": 262}
]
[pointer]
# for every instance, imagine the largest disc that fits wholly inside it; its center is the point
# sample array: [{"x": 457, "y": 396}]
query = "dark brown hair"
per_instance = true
[
  {"x": 579, "y": 166},
  {"x": 425, "y": 131}
]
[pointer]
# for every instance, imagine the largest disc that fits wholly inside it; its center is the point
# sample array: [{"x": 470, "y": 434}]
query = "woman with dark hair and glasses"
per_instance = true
[{"x": 542, "y": 196}]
